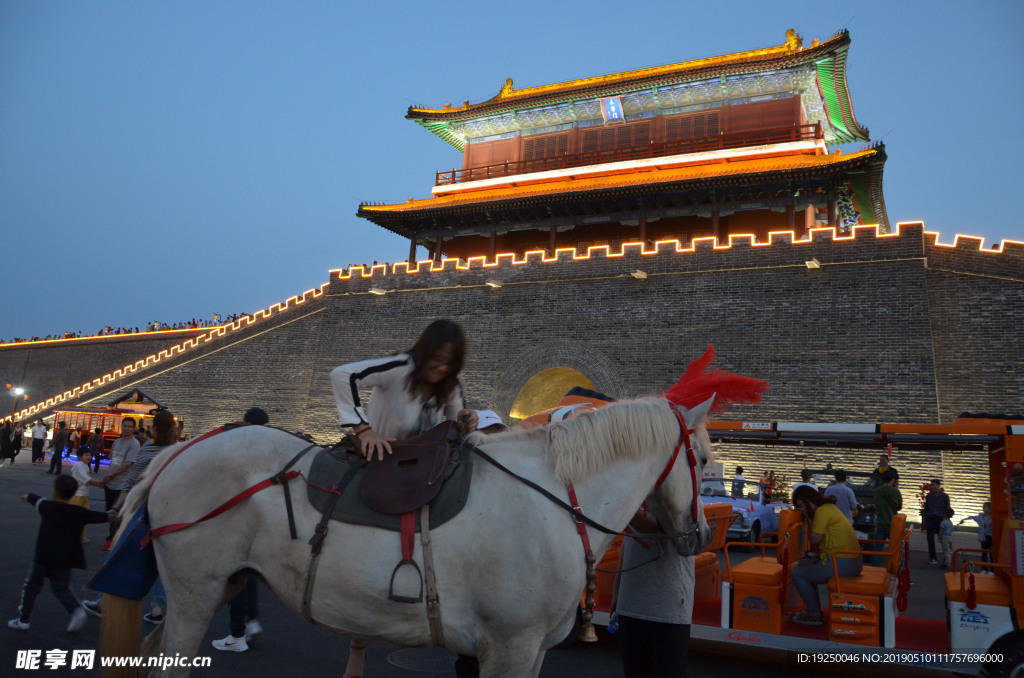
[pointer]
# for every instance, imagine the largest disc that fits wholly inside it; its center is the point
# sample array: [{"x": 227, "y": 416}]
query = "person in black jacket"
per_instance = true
[
  {"x": 936, "y": 503},
  {"x": 6, "y": 442},
  {"x": 58, "y": 551},
  {"x": 60, "y": 441}
]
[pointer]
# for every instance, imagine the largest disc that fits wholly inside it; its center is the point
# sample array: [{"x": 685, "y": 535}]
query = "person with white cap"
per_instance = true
[{"x": 489, "y": 422}]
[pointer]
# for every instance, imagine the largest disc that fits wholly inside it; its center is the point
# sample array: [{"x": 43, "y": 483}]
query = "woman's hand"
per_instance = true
[
  {"x": 370, "y": 442},
  {"x": 468, "y": 419}
]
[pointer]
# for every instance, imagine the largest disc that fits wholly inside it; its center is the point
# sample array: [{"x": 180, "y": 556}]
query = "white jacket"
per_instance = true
[{"x": 393, "y": 411}]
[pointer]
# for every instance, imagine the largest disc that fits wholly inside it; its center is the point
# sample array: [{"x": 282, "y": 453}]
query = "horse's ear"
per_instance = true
[{"x": 695, "y": 415}]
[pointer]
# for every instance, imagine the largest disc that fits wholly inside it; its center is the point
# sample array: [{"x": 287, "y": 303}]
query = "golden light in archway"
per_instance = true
[{"x": 544, "y": 390}]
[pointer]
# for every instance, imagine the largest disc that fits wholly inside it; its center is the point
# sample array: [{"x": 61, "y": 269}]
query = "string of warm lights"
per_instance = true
[
  {"x": 208, "y": 335},
  {"x": 775, "y": 238}
]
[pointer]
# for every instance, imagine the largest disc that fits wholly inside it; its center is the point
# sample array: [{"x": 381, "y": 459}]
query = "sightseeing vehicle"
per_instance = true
[
  {"x": 136, "y": 404},
  {"x": 867, "y": 617}
]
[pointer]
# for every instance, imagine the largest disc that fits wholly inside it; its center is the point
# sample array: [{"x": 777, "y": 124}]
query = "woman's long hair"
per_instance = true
[
  {"x": 433, "y": 339},
  {"x": 809, "y": 495},
  {"x": 165, "y": 432}
]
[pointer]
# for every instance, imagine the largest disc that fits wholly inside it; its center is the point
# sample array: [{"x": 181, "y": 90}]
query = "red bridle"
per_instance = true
[{"x": 684, "y": 437}]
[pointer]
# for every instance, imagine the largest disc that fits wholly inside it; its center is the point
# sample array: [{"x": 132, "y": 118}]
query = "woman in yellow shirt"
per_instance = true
[{"x": 830, "y": 532}]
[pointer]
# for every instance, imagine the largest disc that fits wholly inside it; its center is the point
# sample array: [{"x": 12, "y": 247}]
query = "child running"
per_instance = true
[{"x": 58, "y": 551}]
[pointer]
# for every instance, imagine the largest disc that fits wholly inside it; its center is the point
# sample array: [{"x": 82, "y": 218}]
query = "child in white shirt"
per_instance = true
[
  {"x": 946, "y": 539},
  {"x": 80, "y": 472}
]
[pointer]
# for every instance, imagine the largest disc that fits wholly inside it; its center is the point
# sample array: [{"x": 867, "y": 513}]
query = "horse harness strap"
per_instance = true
[
  {"x": 208, "y": 434},
  {"x": 684, "y": 438},
  {"x": 317, "y": 541},
  {"x": 433, "y": 601},
  {"x": 282, "y": 478},
  {"x": 574, "y": 511}
]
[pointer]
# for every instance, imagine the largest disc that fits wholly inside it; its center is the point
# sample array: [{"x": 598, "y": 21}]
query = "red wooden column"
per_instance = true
[
  {"x": 715, "y": 228},
  {"x": 643, "y": 230},
  {"x": 412, "y": 251},
  {"x": 551, "y": 240},
  {"x": 791, "y": 222},
  {"x": 832, "y": 213},
  {"x": 492, "y": 245}
]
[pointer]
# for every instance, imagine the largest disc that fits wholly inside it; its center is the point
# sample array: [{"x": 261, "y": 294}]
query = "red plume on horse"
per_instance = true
[{"x": 699, "y": 383}]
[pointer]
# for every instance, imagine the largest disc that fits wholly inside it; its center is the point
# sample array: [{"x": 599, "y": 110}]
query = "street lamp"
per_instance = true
[{"x": 16, "y": 392}]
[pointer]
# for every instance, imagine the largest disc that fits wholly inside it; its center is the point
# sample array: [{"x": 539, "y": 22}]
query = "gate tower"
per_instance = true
[{"x": 725, "y": 145}]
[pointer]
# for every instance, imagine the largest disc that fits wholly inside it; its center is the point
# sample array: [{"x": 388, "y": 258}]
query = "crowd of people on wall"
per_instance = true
[{"x": 155, "y": 326}]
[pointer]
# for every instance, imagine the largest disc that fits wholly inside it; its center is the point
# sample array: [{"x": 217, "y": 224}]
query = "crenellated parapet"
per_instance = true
[{"x": 820, "y": 248}]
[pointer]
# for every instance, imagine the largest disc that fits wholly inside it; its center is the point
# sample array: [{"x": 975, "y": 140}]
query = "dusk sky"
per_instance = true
[{"x": 171, "y": 160}]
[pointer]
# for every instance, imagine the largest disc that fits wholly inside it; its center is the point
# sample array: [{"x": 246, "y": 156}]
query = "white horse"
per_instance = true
[{"x": 509, "y": 568}]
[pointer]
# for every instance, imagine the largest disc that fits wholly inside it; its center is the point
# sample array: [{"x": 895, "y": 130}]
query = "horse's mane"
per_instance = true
[{"x": 629, "y": 429}]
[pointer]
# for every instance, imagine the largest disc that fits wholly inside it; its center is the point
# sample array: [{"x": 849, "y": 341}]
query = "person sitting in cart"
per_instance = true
[{"x": 830, "y": 532}]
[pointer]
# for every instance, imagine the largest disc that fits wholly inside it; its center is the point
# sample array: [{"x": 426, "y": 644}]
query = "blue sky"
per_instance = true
[{"x": 170, "y": 160}]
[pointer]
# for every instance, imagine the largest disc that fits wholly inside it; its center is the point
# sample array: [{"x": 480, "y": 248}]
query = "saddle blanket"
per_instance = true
[{"x": 329, "y": 466}]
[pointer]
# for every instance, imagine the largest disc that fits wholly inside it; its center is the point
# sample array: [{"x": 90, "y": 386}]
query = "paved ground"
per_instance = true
[{"x": 289, "y": 640}]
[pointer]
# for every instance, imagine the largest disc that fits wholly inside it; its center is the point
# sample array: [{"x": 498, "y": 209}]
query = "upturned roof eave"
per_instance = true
[{"x": 835, "y": 93}]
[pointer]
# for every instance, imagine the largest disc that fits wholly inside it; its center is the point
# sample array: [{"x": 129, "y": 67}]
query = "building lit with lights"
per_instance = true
[{"x": 736, "y": 144}]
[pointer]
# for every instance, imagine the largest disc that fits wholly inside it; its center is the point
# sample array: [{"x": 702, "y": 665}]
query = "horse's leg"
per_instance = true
[
  {"x": 512, "y": 657},
  {"x": 191, "y": 607},
  {"x": 538, "y": 664},
  {"x": 152, "y": 644}
]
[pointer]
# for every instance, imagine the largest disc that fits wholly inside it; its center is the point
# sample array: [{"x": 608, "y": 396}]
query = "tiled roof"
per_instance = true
[{"x": 769, "y": 58}]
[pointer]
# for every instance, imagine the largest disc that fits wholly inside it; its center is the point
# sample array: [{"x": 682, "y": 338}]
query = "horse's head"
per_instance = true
[{"x": 674, "y": 501}]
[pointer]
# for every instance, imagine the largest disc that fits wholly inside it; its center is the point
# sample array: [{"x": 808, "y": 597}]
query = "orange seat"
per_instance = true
[
  {"x": 765, "y": 570},
  {"x": 705, "y": 565},
  {"x": 991, "y": 589},
  {"x": 719, "y": 517},
  {"x": 756, "y": 595},
  {"x": 874, "y": 581},
  {"x": 863, "y": 608}
]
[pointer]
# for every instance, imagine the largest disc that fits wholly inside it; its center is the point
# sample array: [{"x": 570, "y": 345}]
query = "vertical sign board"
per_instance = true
[
  {"x": 1017, "y": 553},
  {"x": 1015, "y": 482},
  {"x": 611, "y": 109}
]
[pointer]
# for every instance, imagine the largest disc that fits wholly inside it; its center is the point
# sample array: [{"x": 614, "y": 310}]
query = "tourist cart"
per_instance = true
[
  {"x": 868, "y": 619},
  {"x": 136, "y": 404}
]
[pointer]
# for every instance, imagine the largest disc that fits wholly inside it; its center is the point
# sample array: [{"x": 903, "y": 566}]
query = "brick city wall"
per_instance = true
[{"x": 888, "y": 329}]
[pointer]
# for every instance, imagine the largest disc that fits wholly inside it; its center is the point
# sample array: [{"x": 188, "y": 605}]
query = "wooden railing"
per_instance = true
[{"x": 651, "y": 150}]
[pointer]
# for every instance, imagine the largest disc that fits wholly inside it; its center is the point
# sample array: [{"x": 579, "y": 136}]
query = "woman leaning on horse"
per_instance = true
[{"x": 412, "y": 392}]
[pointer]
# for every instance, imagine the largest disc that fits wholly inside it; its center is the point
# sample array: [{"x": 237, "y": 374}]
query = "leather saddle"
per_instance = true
[
  {"x": 412, "y": 474},
  {"x": 442, "y": 470}
]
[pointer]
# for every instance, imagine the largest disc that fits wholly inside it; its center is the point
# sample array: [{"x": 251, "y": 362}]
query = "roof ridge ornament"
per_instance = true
[
  {"x": 793, "y": 40},
  {"x": 506, "y": 90}
]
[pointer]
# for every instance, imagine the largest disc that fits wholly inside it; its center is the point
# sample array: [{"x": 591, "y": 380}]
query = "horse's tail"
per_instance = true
[{"x": 119, "y": 632}]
